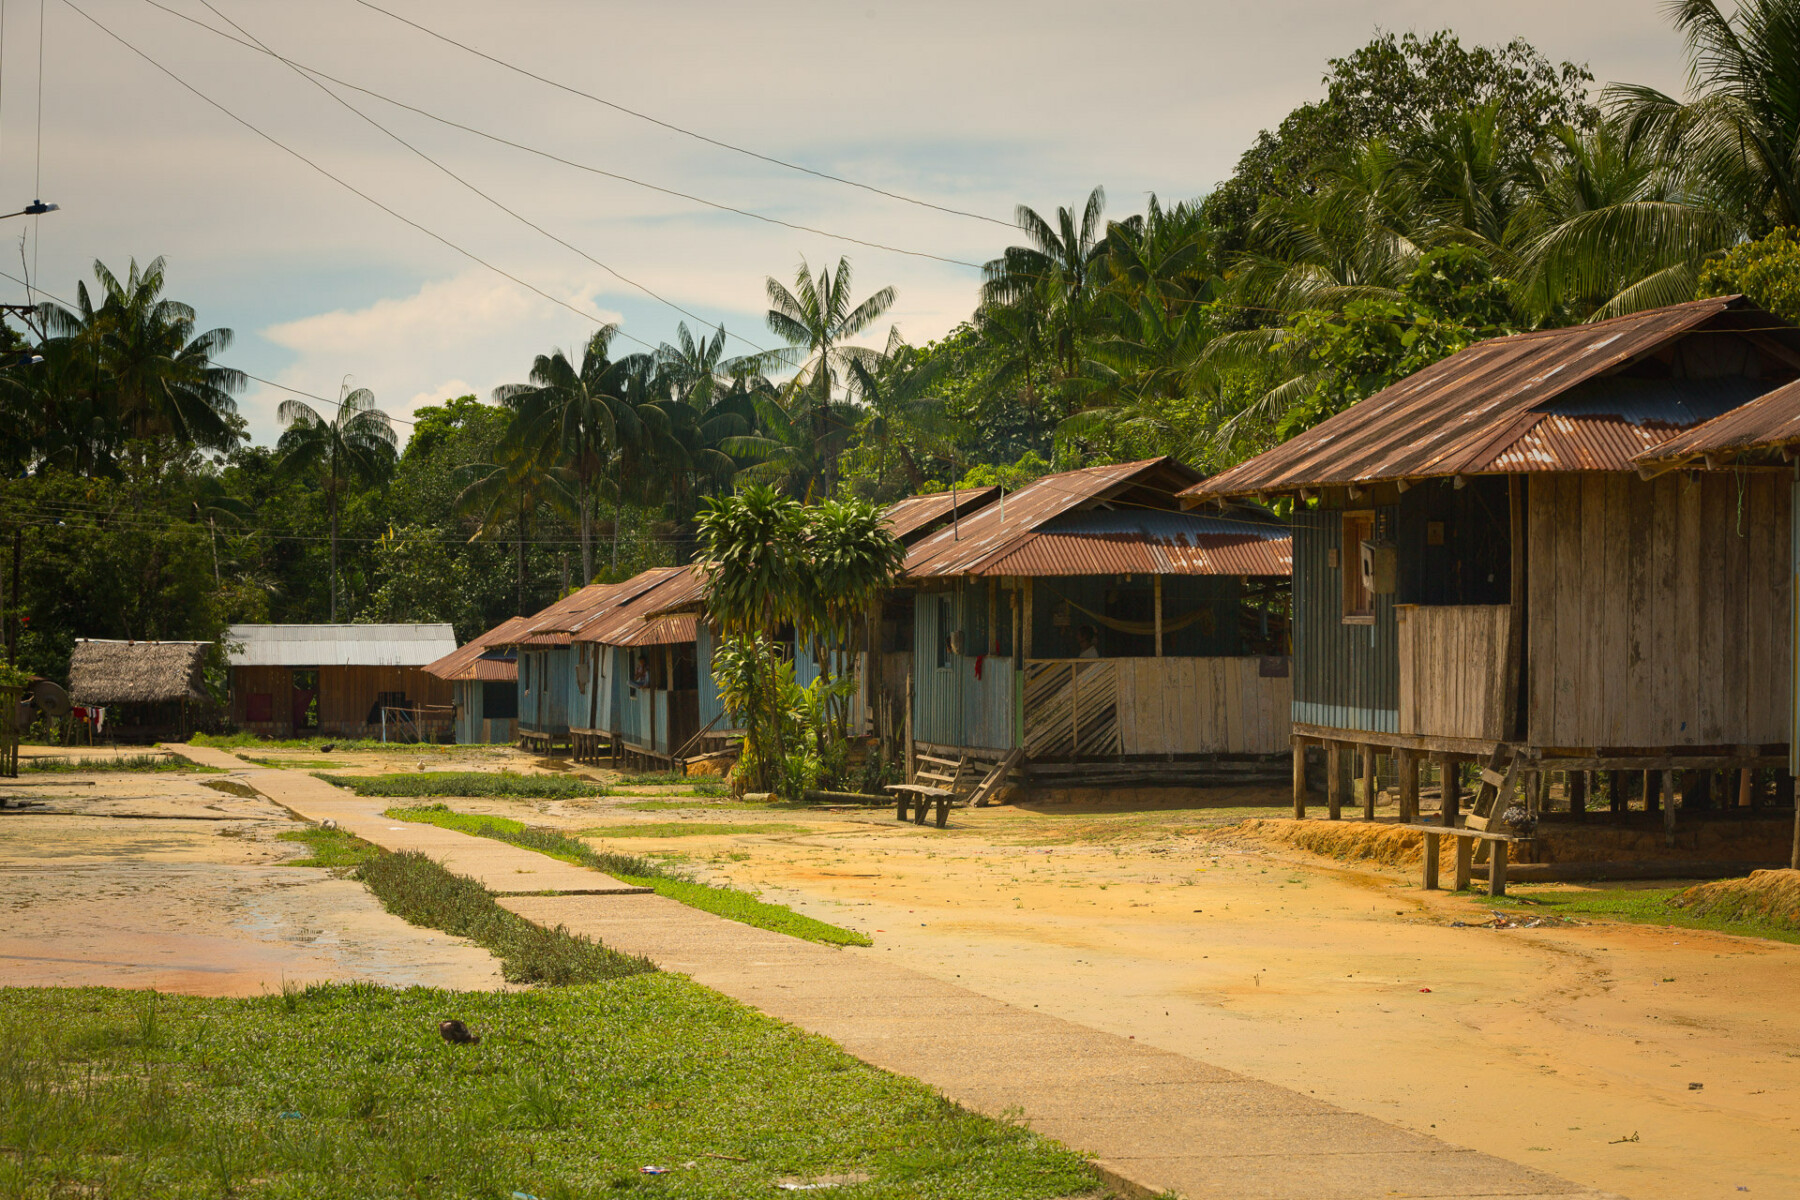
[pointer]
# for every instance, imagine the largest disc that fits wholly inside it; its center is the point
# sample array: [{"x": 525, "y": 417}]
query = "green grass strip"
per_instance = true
[
  {"x": 1642, "y": 906},
  {"x": 729, "y": 903},
  {"x": 68, "y": 764},
  {"x": 506, "y": 785},
  {"x": 250, "y": 741},
  {"x": 413, "y": 886},
  {"x": 346, "y": 1092},
  {"x": 680, "y": 829}
]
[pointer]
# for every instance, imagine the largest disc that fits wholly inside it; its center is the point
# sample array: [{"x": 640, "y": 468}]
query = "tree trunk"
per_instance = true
[
  {"x": 334, "y": 567},
  {"x": 587, "y": 534}
]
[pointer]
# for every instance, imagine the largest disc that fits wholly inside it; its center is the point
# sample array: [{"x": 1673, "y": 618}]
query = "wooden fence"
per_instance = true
[{"x": 1082, "y": 708}]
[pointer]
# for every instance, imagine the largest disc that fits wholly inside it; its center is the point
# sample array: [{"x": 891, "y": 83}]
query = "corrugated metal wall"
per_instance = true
[
  {"x": 709, "y": 691},
  {"x": 951, "y": 707},
  {"x": 544, "y": 687},
  {"x": 1345, "y": 676}
]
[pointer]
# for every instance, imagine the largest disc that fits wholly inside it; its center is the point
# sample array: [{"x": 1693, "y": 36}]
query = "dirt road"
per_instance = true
[
  {"x": 160, "y": 880},
  {"x": 1573, "y": 1049}
]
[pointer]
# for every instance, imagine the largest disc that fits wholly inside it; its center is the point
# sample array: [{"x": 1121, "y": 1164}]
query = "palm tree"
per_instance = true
[
  {"x": 816, "y": 319},
  {"x": 576, "y": 416},
  {"x": 358, "y": 443},
  {"x": 164, "y": 377},
  {"x": 513, "y": 488},
  {"x": 692, "y": 366},
  {"x": 902, "y": 414},
  {"x": 1736, "y": 145},
  {"x": 1054, "y": 272}
]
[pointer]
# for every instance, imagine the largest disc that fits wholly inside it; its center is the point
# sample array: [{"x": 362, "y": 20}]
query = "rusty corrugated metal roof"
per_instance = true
[
  {"x": 624, "y": 621},
  {"x": 459, "y": 663},
  {"x": 1484, "y": 409},
  {"x": 1770, "y": 421},
  {"x": 494, "y": 667},
  {"x": 916, "y": 515},
  {"x": 552, "y": 625},
  {"x": 1114, "y": 520},
  {"x": 672, "y": 629}
]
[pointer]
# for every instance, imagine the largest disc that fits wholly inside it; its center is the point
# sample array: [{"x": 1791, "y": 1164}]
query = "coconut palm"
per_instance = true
[
  {"x": 817, "y": 319},
  {"x": 357, "y": 444},
  {"x": 514, "y": 489},
  {"x": 163, "y": 377},
  {"x": 576, "y": 416},
  {"x": 1055, "y": 272},
  {"x": 1736, "y": 145}
]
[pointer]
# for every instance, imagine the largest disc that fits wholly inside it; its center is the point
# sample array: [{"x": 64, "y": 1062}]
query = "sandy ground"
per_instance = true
[
  {"x": 160, "y": 880},
  {"x": 1569, "y": 1048}
]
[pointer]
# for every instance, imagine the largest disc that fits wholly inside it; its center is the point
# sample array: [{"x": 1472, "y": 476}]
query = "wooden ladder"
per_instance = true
[
  {"x": 1491, "y": 796},
  {"x": 991, "y": 783}
]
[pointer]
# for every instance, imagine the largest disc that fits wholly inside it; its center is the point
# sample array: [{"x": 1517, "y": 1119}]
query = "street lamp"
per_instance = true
[{"x": 35, "y": 209}]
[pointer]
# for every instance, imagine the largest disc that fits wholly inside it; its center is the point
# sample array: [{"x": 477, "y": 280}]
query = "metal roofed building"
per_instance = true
[
  {"x": 1089, "y": 625},
  {"x": 333, "y": 680},
  {"x": 635, "y": 672},
  {"x": 483, "y": 675},
  {"x": 1483, "y": 573}
]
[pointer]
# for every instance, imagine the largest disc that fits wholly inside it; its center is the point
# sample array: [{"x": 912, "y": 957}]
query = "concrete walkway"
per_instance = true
[
  {"x": 502, "y": 869},
  {"x": 1154, "y": 1121}
]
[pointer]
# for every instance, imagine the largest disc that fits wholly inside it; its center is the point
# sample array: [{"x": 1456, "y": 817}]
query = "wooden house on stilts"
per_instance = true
[
  {"x": 1484, "y": 580},
  {"x": 1088, "y": 632}
]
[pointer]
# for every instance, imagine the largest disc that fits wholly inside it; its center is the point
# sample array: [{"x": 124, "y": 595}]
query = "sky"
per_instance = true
[{"x": 973, "y": 106}]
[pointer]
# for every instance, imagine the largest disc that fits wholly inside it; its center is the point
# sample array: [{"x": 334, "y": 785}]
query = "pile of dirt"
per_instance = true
[
  {"x": 1771, "y": 896},
  {"x": 1350, "y": 841}
]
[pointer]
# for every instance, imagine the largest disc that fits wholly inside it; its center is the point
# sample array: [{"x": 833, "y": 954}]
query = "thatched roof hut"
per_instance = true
[{"x": 109, "y": 672}]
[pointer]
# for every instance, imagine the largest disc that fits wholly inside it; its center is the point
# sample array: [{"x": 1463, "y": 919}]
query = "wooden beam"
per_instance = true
[
  {"x": 1432, "y": 841},
  {"x": 1668, "y": 798},
  {"x": 1334, "y": 780},
  {"x": 1512, "y": 719},
  {"x": 1159, "y": 617},
  {"x": 1368, "y": 776},
  {"x": 1299, "y": 780},
  {"x": 1407, "y": 765}
]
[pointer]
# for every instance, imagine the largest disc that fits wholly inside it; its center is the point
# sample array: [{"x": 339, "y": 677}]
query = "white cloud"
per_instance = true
[{"x": 448, "y": 338}]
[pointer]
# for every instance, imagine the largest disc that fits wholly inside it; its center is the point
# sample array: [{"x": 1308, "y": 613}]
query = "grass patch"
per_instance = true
[
  {"x": 294, "y": 764},
  {"x": 250, "y": 741},
  {"x": 423, "y": 892},
  {"x": 508, "y": 785},
  {"x": 341, "y": 1092},
  {"x": 676, "y": 829},
  {"x": 1643, "y": 906},
  {"x": 677, "y": 805},
  {"x": 330, "y": 848},
  {"x": 123, "y": 762},
  {"x": 723, "y": 902}
]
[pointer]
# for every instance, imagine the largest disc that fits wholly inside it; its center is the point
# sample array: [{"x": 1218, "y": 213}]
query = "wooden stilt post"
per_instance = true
[
  {"x": 1497, "y": 868},
  {"x": 1408, "y": 765},
  {"x": 912, "y": 761},
  {"x": 1334, "y": 780},
  {"x": 1299, "y": 780},
  {"x": 1578, "y": 786},
  {"x": 1465, "y": 854},
  {"x": 1652, "y": 790},
  {"x": 1452, "y": 789},
  {"x": 1615, "y": 789},
  {"x": 1368, "y": 777},
  {"x": 1432, "y": 841},
  {"x": 1746, "y": 787},
  {"x": 1668, "y": 807}
]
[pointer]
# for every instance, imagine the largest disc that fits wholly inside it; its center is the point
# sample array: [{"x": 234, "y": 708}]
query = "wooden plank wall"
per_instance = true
[
  {"x": 1453, "y": 669},
  {"x": 1659, "y": 610},
  {"x": 1144, "y": 706},
  {"x": 278, "y": 682},
  {"x": 347, "y": 693},
  {"x": 1202, "y": 706}
]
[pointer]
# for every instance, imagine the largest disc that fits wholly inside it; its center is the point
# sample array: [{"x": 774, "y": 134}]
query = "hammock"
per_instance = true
[{"x": 1146, "y": 628}]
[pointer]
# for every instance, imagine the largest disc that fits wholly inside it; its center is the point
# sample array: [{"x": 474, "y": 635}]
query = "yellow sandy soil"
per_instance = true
[{"x": 1569, "y": 1048}]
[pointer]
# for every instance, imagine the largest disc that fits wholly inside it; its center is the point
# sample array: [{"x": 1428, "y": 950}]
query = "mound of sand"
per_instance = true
[
  {"x": 1772, "y": 896},
  {"x": 1351, "y": 841}
]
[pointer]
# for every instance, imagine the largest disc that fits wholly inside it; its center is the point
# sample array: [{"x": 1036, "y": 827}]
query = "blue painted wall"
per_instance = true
[{"x": 544, "y": 686}]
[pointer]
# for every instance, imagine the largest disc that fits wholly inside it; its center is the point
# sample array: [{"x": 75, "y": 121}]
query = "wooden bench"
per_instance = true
[
  {"x": 935, "y": 781},
  {"x": 1465, "y": 854}
]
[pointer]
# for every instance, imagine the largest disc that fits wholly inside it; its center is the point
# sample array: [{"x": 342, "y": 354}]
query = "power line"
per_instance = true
[
  {"x": 260, "y": 47},
  {"x": 359, "y": 193},
  {"x": 673, "y": 128}
]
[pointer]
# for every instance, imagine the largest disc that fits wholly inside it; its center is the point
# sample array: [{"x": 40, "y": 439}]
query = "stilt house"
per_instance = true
[
  {"x": 1480, "y": 567},
  {"x": 1089, "y": 624},
  {"x": 332, "y": 680},
  {"x": 484, "y": 685},
  {"x": 546, "y": 666},
  {"x": 634, "y": 670}
]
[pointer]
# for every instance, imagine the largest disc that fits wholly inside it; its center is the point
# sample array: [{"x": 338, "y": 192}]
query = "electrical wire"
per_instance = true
[
  {"x": 673, "y": 128},
  {"x": 511, "y": 212},
  {"x": 258, "y": 46},
  {"x": 358, "y": 192}
]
